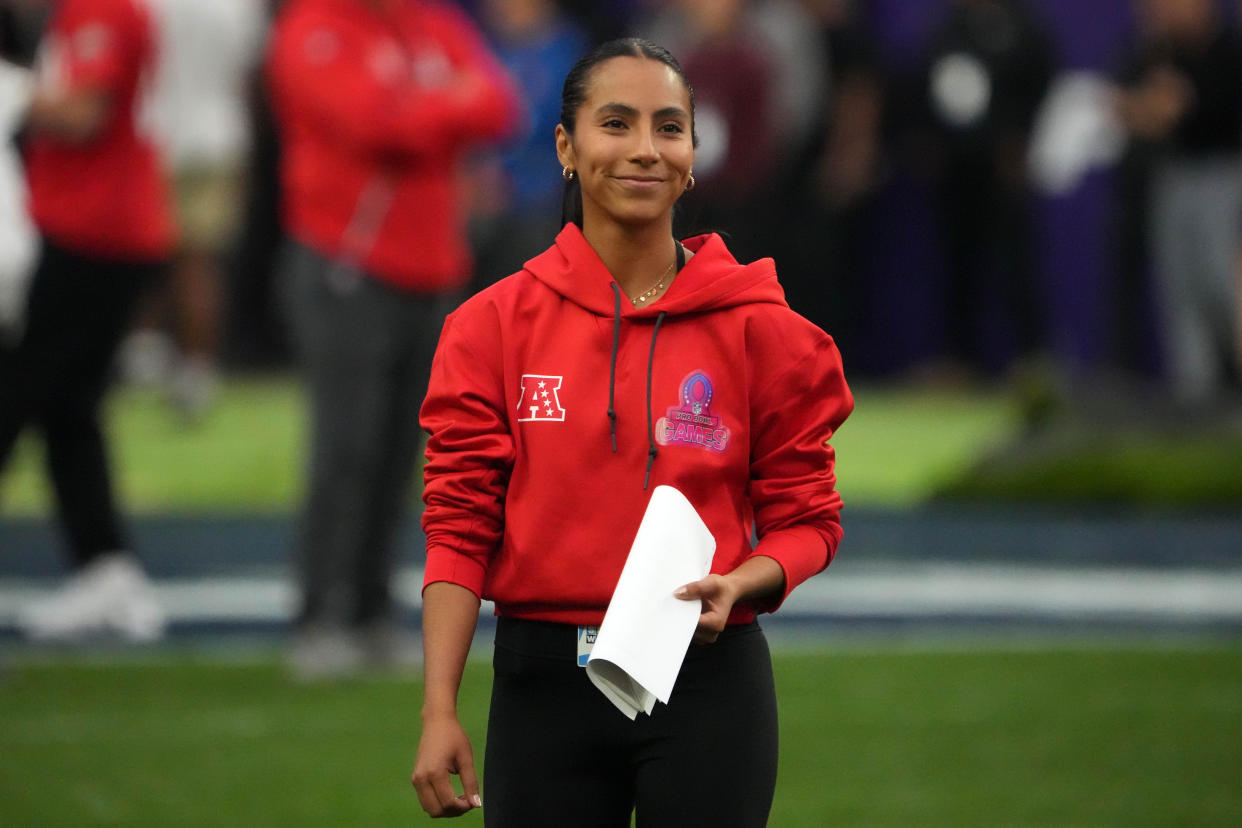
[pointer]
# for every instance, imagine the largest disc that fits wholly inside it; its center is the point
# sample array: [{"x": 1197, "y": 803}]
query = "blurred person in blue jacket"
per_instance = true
[{"x": 515, "y": 197}]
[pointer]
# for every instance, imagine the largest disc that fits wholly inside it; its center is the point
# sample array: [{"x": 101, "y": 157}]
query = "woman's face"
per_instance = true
[{"x": 632, "y": 147}]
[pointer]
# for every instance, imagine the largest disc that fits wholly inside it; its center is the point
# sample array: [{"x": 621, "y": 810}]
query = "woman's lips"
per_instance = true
[{"x": 639, "y": 183}]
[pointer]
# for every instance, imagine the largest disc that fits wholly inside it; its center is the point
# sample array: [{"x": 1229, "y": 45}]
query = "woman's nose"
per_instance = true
[{"x": 644, "y": 149}]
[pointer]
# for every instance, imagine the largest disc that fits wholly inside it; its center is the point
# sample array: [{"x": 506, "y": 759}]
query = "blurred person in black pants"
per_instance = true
[
  {"x": 515, "y": 192},
  {"x": 988, "y": 68},
  {"x": 831, "y": 184},
  {"x": 1182, "y": 98},
  {"x": 98, "y": 200}
]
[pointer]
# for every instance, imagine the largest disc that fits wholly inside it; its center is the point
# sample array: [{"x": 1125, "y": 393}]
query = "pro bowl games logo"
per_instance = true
[{"x": 692, "y": 423}]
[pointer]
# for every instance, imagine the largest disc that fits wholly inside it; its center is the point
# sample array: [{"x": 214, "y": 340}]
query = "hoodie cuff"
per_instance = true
[
  {"x": 801, "y": 551},
  {"x": 443, "y": 564}
]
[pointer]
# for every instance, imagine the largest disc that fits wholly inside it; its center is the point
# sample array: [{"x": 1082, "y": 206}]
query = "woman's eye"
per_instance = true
[
  {"x": 614, "y": 123},
  {"x": 673, "y": 128}
]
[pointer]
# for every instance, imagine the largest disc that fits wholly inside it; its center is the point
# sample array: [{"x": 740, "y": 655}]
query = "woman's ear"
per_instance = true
[{"x": 564, "y": 148}]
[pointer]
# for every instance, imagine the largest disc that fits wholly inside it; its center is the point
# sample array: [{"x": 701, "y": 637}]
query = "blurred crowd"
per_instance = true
[
  {"x": 810, "y": 122},
  {"x": 344, "y": 171}
]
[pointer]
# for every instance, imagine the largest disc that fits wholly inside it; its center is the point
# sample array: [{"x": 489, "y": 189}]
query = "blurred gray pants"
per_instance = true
[
  {"x": 1196, "y": 228},
  {"x": 365, "y": 351}
]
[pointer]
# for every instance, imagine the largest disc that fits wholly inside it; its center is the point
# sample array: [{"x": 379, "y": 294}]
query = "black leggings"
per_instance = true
[
  {"x": 560, "y": 754},
  {"x": 78, "y": 311}
]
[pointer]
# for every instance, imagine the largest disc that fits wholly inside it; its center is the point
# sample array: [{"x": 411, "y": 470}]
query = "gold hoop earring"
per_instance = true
[
  {"x": 567, "y": 173},
  {"x": 690, "y": 182}
]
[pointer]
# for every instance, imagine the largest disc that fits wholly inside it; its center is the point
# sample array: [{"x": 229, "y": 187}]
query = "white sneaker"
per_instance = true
[
  {"x": 110, "y": 595},
  {"x": 192, "y": 386},
  {"x": 322, "y": 653},
  {"x": 390, "y": 647},
  {"x": 146, "y": 358}
]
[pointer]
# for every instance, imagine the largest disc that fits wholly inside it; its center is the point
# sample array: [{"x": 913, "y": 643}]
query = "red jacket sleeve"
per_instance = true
[
  {"x": 335, "y": 77},
  {"x": 793, "y": 477},
  {"x": 99, "y": 43},
  {"x": 470, "y": 454},
  {"x": 494, "y": 109}
]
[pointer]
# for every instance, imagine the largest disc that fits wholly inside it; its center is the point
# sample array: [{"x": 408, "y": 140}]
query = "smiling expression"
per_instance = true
[{"x": 632, "y": 145}]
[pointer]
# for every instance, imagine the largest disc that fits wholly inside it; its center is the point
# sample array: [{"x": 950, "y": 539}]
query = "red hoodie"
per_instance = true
[
  {"x": 719, "y": 390},
  {"x": 374, "y": 110},
  {"x": 105, "y": 197}
]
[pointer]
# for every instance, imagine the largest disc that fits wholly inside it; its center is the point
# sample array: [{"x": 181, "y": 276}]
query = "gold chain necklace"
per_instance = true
[{"x": 654, "y": 289}]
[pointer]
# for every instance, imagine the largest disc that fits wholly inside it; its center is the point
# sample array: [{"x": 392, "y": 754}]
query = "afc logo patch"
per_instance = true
[{"x": 539, "y": 401}]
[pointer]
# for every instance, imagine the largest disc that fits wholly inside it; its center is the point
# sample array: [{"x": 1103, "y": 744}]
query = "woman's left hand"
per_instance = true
[
  {"x": 718, "y": 594},
  {"x": 757, "y": 577}
]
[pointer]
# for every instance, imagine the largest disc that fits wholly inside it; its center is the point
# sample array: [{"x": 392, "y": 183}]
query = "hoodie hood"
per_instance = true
[{"x": 711, "y": 280}]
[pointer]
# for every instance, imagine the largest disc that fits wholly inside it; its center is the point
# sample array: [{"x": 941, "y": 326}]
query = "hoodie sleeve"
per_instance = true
[
  {"x": 470, "y": 454},
  {"x": 98, "y": 44},
  {"x": 328, "y": 73},
  {"x": 494, "y": 109},
  {"x": 793, "y": 479}
]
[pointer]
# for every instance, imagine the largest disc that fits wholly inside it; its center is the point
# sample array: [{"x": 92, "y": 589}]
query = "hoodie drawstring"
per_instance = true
[
  {"x": 612, "y": 365},
  {"x": 651, "y": 444},
  {"x": 652, "y": 451}
]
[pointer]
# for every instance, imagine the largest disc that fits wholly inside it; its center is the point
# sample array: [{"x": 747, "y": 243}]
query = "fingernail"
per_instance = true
[
  {"x": 477, "y": 800},
  {"x": 680, "y": 592}
]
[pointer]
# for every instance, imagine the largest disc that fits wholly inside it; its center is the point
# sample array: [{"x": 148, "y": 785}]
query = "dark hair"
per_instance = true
[{"x": 574, "y": 94}]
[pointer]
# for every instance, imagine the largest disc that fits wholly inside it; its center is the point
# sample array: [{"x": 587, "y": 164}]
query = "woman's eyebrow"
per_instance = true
[
  {"x": 671, "y": 112},
  {"x": 617, "y": 109},
  {"x": 628, "y": 111}
]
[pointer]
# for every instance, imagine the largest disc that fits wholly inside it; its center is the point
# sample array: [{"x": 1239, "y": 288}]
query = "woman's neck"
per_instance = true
[{"x": 638, "y": 258}]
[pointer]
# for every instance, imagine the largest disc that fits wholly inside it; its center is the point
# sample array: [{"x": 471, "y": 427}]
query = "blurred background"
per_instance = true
[{"x": 1019, "y": 220}]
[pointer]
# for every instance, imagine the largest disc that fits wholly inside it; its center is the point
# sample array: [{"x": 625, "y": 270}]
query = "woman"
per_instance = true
[{"x": 616, "y": 361}]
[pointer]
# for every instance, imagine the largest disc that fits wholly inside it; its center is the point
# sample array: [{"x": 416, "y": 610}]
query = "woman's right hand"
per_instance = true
[{"x": 443, "y": 752}]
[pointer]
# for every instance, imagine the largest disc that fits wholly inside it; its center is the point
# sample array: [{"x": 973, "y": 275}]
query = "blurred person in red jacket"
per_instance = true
[
  {"x": 99, "y": 201},
  {"x": 375, "y": 102}
]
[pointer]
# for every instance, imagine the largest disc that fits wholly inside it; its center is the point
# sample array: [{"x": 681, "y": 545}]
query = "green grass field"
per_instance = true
[
  {"x": 971, "y": 734},
  {"x": 244, "y": 456},
  {"x": 1027, "y": 737},
  {"x": 248, "y": 454},
  {"x": 901, "y": 447}
]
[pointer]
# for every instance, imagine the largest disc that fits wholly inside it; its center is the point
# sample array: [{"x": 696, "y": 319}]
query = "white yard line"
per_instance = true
[
  {"x": 972, "y": 589},
  {"x": 942, "y": 589}
]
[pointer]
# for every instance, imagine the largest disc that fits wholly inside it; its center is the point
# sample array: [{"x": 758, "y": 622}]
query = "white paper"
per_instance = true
[{"x": 646, "y": 631}]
